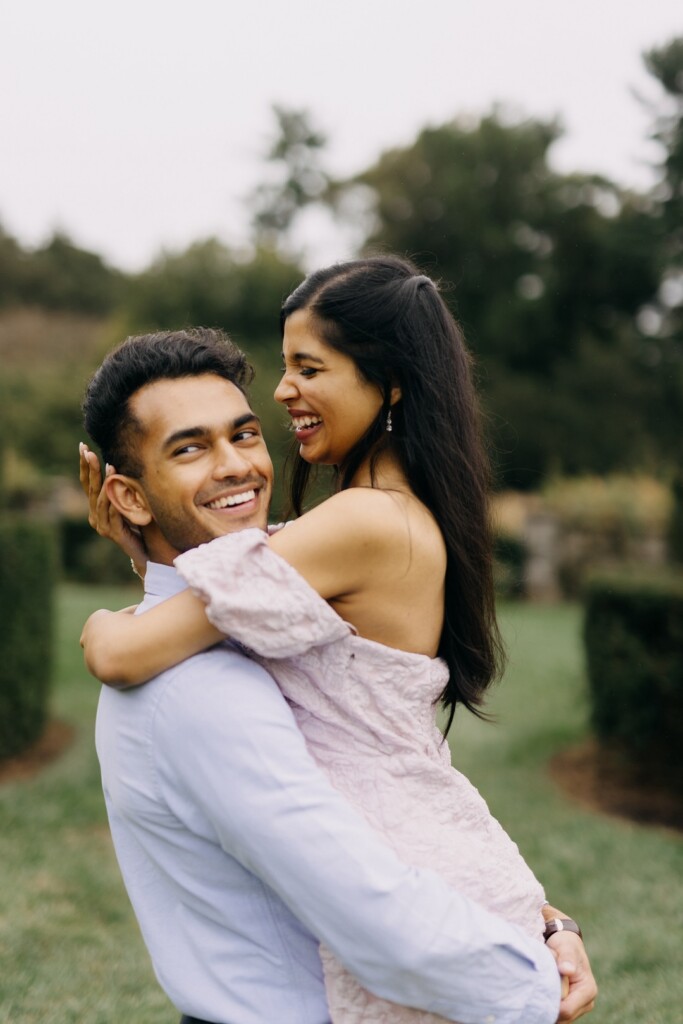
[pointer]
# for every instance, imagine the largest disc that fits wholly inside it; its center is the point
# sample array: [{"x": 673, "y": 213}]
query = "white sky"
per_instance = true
[{"x": 138, "y": 124}]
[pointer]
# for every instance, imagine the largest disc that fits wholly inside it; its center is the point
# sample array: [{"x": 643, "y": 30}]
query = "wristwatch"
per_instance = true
[{"x": 560, "y": 924}]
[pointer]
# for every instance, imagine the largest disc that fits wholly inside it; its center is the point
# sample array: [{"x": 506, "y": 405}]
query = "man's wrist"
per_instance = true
[{"x": 560, "y": 924}]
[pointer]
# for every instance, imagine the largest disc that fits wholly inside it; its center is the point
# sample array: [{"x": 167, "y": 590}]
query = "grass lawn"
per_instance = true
[{"x": 69, "y": 945}]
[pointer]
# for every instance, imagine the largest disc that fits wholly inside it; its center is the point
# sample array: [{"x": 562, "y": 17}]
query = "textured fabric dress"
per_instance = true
[{"x": 367, "y": 714}]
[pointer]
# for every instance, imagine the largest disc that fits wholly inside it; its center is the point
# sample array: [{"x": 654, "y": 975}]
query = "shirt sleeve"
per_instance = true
[
  {"x": 401, "y": 931},
  {"x": 253, "y": 596}
]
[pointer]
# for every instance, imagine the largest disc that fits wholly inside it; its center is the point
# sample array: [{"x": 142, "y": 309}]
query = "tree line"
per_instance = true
[{"x": 569, "y": 287}]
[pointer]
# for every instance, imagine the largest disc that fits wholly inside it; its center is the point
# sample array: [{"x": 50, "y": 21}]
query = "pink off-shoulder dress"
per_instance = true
[{"x": 367, "y": 714}]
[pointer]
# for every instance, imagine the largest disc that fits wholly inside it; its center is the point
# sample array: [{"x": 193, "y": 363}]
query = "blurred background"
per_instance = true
[
  {"x": 168, "y": 164},
  {"x": 163, "y": 167}
]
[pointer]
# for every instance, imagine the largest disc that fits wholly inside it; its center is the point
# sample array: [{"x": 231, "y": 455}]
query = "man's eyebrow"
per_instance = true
[{"x": 188, "y": 433}]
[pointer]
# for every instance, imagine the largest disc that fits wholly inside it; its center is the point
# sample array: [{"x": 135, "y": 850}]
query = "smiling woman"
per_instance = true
[{"x": 331, "y": 406}]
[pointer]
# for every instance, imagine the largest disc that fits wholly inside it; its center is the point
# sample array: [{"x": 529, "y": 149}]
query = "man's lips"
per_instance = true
[{"x": 230, "y": 501}]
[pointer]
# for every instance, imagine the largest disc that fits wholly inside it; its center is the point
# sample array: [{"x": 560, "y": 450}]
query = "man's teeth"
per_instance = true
[
  {"x": 232, "y": 499},
  {"x": 298, "y": 422}
]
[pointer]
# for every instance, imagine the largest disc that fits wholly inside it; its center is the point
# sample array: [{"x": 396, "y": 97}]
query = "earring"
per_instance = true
[{"x": 389, "y": 426}]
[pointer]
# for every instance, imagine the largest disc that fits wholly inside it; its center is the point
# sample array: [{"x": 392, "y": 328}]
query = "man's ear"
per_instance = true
[{"x": 128, "y": 498}]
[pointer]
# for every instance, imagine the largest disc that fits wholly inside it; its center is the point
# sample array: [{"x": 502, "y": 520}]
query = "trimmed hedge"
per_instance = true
[
  {"x": 675, "y": 532},
  {"x": 86, "y": 558},
  {"x": 634, "y": 644},
  {"x": 27, "y": 577},
  {"x": 509, "y": 563}
]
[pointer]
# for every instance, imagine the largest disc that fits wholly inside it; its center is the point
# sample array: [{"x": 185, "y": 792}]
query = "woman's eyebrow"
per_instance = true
[{"x": 299, "y": 357}]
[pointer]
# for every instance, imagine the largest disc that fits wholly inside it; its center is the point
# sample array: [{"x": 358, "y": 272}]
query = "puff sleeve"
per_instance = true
[{"x": 253, "y": 596}]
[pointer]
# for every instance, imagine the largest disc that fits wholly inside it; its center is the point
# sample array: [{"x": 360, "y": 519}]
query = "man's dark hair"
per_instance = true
[{"x": 144, "y": 359}]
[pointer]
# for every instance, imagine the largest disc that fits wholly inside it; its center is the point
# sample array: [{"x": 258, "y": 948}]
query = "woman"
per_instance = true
[{"x": 379, "y": 602}]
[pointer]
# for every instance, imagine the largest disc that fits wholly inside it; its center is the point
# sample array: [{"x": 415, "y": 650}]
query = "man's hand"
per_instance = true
[
  {"x": 572, "y": 963},
  {"x": 579, "y": 990},
  {"x": 102, "y": 515}
]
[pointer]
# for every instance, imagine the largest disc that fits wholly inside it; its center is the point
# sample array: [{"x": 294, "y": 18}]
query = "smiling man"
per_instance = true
[{"x": 238, "y": 856}]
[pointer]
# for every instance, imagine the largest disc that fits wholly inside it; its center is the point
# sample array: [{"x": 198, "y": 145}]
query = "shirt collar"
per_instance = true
[{"x": 162, "y": 580}]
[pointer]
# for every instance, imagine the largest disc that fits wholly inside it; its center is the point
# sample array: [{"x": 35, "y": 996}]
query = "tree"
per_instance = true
[
  {"x": 663, "y": 317},
  {"x": 58, "y": 276},
  {"x": 547, "y": 273},
  {"x": 295, "y": 155},
  {"x": 211, "y": 285}
]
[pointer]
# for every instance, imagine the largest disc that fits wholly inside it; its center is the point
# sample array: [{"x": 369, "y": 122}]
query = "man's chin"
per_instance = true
[{"x": 234, "y": 524}]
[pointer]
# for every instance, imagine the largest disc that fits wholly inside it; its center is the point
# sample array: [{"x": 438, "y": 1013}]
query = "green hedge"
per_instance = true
[
  {"x": 86, "y": 558},
  {"x": 27, "y": 576},
  {"x": 509, "y": 563},
  {"x": 634, "y": 644},
  {"x": 675, "y": 532}
]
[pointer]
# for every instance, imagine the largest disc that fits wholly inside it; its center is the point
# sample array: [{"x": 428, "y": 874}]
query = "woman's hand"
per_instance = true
[
  {"x": 102, "y": 515},
  {"x": 124, "y": 650},
  {"x": 102, "y": 634}
]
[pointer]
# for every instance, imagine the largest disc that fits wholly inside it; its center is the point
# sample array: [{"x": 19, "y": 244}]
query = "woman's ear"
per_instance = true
[
  {"x": 128, "y": 498},
  {"x": 395, "y": 395}
]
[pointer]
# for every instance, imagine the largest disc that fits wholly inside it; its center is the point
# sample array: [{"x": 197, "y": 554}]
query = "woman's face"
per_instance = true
[{"x": 331, "y": 407}]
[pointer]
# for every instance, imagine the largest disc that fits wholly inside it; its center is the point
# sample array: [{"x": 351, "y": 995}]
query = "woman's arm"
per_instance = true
[
  {"x": 124, "y": 650},
  {"x": 333, "y": 547}
]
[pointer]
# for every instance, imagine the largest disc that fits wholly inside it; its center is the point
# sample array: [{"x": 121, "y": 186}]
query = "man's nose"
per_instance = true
[{"x": 230, "y": 461}]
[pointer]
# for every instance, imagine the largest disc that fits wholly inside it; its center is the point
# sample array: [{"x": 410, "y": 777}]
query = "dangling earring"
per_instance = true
[{"x": 389, "y": 426}]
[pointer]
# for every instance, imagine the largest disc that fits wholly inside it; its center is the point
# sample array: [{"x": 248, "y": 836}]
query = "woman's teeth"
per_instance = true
[
  {"x": 299, "y": 422},
  {"x": 232, "y": 499}
]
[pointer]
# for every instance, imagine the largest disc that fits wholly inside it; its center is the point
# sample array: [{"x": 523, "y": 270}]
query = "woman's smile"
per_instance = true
[{"x": 304, "y": 424}]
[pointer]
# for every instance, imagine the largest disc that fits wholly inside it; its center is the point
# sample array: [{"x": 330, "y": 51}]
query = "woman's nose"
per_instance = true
[{"x": 285, "y": 390}]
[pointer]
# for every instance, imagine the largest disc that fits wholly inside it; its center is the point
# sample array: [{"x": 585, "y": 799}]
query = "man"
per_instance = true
[{"x": 238, "y": 856}]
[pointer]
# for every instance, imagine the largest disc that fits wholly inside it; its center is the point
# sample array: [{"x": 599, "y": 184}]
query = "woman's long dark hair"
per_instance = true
[{"x": 394, "y": 324}]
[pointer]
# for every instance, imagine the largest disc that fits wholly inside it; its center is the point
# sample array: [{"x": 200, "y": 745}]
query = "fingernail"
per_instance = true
[
  {"x": 80, "y": 447},
  {"x": 108, "y": 470}
]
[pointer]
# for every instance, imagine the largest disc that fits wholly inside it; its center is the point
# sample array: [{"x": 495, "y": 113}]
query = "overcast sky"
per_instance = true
[{"x": 138, "y": 124}]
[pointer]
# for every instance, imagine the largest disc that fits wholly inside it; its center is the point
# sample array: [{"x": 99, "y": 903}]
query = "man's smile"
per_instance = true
[{"x": 230, "y": 500}]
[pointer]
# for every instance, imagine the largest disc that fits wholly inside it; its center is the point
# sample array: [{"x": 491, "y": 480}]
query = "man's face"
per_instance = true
[{"x": 206, "y": 468}]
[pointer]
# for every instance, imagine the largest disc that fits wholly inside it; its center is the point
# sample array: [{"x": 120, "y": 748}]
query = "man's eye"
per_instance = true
[
  {"x": 247, "y": 435},
  {"x": 188, "y": 449}
]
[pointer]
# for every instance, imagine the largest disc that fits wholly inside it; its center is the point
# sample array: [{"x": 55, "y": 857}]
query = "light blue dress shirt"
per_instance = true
[{"x": 239, "y": 857}]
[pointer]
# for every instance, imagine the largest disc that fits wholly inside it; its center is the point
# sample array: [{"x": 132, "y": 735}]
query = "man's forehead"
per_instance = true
[{"x": 171, "y": 404}]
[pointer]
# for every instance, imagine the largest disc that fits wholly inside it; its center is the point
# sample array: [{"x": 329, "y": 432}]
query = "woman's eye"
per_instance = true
[{"x": 308, "y": 371}]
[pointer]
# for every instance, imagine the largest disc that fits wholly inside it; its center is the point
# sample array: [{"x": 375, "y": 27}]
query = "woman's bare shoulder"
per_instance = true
[
  {"x": 370, "y": 511},
  {"x": 359, "y": 534}
]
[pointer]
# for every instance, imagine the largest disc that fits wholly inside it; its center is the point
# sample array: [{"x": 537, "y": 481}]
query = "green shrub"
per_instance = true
[
  {"x": 634, "y": 644},
  {"x": 86, "y": 558},
  {"x": 27, "y": 575},
  {"x": 509, "y": 563},
  {"x": 675, "y": 531}
]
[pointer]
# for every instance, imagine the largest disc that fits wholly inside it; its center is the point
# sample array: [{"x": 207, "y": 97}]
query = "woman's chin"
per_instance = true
[{"x": 314, "y": 458}]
